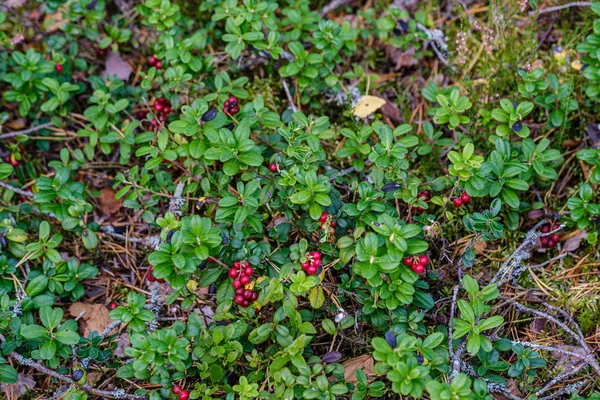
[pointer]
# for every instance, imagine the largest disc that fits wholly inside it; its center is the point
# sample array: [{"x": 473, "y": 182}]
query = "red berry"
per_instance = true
[
  {"x": 158, "y": 105},
  {"x": 184, "y": 395},
  {"x": 555, "y": 227},
  {"x": 245, "y": 279},
  {"x": 247, "y": 294},
  {"x": 231, "y": 101},
  {"x": 162, "y": 117},
  {"x": 305, "y": 264},
  {"x": 58, "y": 68},
  {"x": 457, "y": 202},
  {"x": 14, "y": 163},
  {"x": 234, "y": 110},
  {"x": 555, "y": 237},
  {"x": 545, "y": 228},
  {"x": 427, "y": 193},
  {"x": 422, "y": 195},
  {"x": 150, "y": 277},
  {"x": 236, "y": 264},
  {"x": 465, "y": 198},
  {"x": 246, "y": 263},
  {"x": 420, "y": 209},
  {"x": 333, "y": 224},
  {"x": 316, "y": 263},
  {"x": 544, "y": 240},
  {"x": 239, "y": 291},
  {"x": 254, "y": 296},
  {"x": 246, "y": 303},
  {"x": 423, "y": 260},
  {"x": 312, "y": 270},
  {"x": 113, "y": 305},
  {"x": 316, "y": 255},
  {"x": 551, "y": 243},
  {"x": 167, "y": 110},
  {"x": 233, "y": 272},
  {"x": 239, "y": 299},
  {"x": 6, "y": 159},
  {"x": 248, "y": 271},
  {"x": 236, "y": 283},
  {"x": 408, "y": 261},
  {"x": 158, "y": 65},
  {"x": 273, "y": 167},
  {"x": 176, "y": 389},
  {"x": 419, "y": 269},
  {"x": 323, "y": 217},
  {"x": 152, "y": 60}
]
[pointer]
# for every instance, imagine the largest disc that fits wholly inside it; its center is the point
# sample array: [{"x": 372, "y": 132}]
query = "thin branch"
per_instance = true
[
  {"x": 454, "y": 358},
  {"x": 561, "y": 7},
  {"x": 559, "y": 378},
  {"x": 26, "y": 131},
  {"x": 16, "y": 190},
  {"x": 289, "y": 95},
  {"x": 332, "y": 6}
]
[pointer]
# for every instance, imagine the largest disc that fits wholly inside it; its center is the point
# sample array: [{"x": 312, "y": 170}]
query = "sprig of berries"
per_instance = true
[
  {"x": 426, "y": 195},
  {"x": 162, "y": 108},
  {"x": 464, "y": 198},
  {"x": 10, "y": 159},
  {"x": 551, "y": 240},
  {"x": 313, "y": 263},
  {"x": 416, "y": 263},
  {"x": 241, "y": 273},
  {"x": 323, "y": 220},
  {"x": 231, "y": 106},
  {"x": 183, "y": 394},
  {"x": 155, "y": 62}
]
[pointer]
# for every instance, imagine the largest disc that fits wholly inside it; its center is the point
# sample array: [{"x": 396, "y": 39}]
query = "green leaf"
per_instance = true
[
  {"x": 8, "y": 374},
  {"x": 33, "y": 331},
  {"x": 67, "y": 337},
  {"x": 473, "y": 344}
]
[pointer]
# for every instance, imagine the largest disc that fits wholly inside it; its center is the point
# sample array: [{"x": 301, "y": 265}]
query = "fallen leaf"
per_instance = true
[
  {"x": 115, "y": 65},
  {"x": 95, "y": 317},
  {"x": 566, "y": 362},
  {"x": 391, "y": 111},
  {"x": 332, "y": 356},
  {"x": 16, "y": 124},
  {"x": 594, "y": 131},
  {"x": 537, "y": 64},
  {"x": 122, "y": 344},
  {"x": 367, "y": 105},
  {"x": 21, "y": 386},
  {"x": 364, "y": 362},
  {"x": 513, "y": 388},
  {"x": 108, "y": 203},
  {"x": 480, "y": 247},
  {"x": 573, "y": 242},
  {"x": 53, "y": 22}
]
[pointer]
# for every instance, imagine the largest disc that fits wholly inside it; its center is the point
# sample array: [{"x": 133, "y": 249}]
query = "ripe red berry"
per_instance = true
[
  {"x": 231, "y": 101},
  {"x": 236, "y": 283},
  {"x": 544, "y": 240},
  {"x": 423, "y": 195},
  {"x": 14, "y": 163},
  {"x": 236, "y": 264},
  {"x": 6, "y": 159},
  {"x": 58, "y": 68},
  {"x": 323, "y": 217},
  {"x": 245, "y": 279},
  {"x": 152, "y": 60},
  {"x": 167, "y": 110},
  {"x": 333, "y": 224},
  {"x": 551, "y": 243},
  {"x": 158, "y": 105},
  {"x": 158, "y": 64},
  {"x": 555, "y": 227},
  {"x": 427, "y": 193},
  {"x": 423, "y": 260},
  {"x": 545, "y": 228},
  {"x": 113, "y": 305},
  {"x": 273, "y": 167},
  {"x": 316, "y": 255},
  {"x": 184, "y": 395},
  {"x": 162, "y": 117},
  {"x": 254, "y": 296},
  {"x": 150, "y": 277},
  {"x": 239, "y": 291},
  {"x": 305, "y": 264},
  {"x": 408, "y": 261},
  {"x": 246, "y": 303},
  {"x": 465, "y": 198},
  {"x": 239, "y": 299},
  {"x": 233, "y": 273},
  {"x": 247, "y": 294},
  {"x": 555, "y": 237},
  {"x": 316, "y": 263},
  {"x": 176, "y": 389},
  {"x": 457, "y": 202},
  {"x": 248, "y": 271},
  {"x": 312, "y": 270},
  {"x": 419, "y": 269},
  {"x": 234, "y": 110}
]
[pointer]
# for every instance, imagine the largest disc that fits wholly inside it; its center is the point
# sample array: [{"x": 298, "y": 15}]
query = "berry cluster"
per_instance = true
[
  {"x": 323, "y": 220},
  {"x": 183, "y": 394},
  {"x": 11, "y": 160},
  {"x": 425, "y": 194},
  {"x": 416, "y": 263},
  {"x": 162, "y": 108},
  {"x": 150, "y": 276},
  {"x": 231, "y": 106},
  {"x": 550, "y": 240},
  {"x": 273, "y": 167},
  {"x": 155, "y": 62},
  {"x": 313, "y": 263},
  {"x": 464, "y": 198},
  {"x": 241, "y": 273}
]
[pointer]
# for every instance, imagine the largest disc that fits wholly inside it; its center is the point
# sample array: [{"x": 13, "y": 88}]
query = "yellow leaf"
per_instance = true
[
  {"x": 578, "y": 65},
  {"x": 367, "y": 105},
  {"x": 316, "y": 297}
]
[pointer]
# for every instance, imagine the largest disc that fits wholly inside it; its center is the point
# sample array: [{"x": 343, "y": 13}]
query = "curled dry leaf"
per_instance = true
[
  {"x": 20, "y": 387},
  {"x": 95, "y": 317},
  {"x": 108, "y": 203},
  {"x": 574, "y": 241},
  {"x": 364, "y": 362}
]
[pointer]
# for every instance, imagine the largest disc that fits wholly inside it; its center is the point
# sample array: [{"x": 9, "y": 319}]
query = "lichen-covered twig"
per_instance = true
[
  {"x": 561, "y": 7},
  {"x": 26, "y": 131},
  {"x": 16, "y": 190}
]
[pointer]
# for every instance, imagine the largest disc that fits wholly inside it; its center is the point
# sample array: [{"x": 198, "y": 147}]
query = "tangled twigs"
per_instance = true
[
  {"x": 26, "y": 131},
  {"x": 115, "y": 394}
]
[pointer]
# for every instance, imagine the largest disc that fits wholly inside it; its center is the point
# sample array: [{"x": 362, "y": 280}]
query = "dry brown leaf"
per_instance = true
[
  {"x": 480, "y": 247},
  {"x": 122, "y": 344},
  {"x": 566, "y": 362},
  {"x": 115, "y": 65},
  {"x": 513, "y": 388},
  {"x": 367, "y": 105},
  {"x": 364, "y": 362},
  {"x": 594, "y": 131},
  {"x": 20, "y": 387},
  {"x": 16, "y": 124},
  {"x": 95, "y": 317},
  {"x": 108, "y": 203},
  {"x": 53, "y": 22},
  {"x": 574, "y": 241},
  {"x": 391, "y": 111}
]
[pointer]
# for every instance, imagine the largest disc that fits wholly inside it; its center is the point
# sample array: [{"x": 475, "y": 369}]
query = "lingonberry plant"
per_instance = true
[{"x": 299, "y": 200}]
